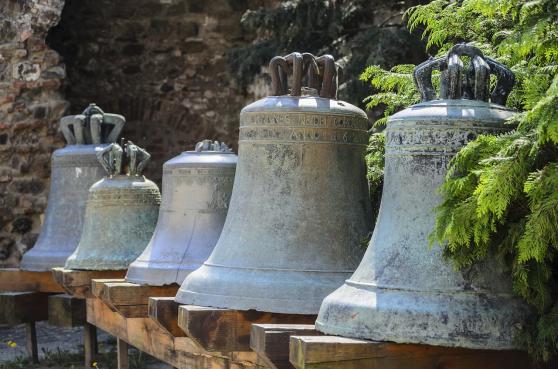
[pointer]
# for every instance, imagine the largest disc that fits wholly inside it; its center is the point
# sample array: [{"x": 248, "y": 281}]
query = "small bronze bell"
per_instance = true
[
  {"x": 300, "y": 204},
  {"x": 74, "y": 169},
  {"x": 403, "y": 290},
  {"x": 121, "y": 212},
  {"x": 197, "y": 188}
]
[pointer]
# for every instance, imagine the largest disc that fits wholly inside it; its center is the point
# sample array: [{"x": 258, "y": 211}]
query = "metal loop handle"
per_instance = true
[
  {"x": 456, "y": 82},
  {"x": 89, "y": 127},
  {"x": 126, "y": 158},
  {"x": 321, "y": 73}
]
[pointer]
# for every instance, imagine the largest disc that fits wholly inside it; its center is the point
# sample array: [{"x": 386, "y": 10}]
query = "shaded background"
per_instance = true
[{"x": 178, "y": 70}]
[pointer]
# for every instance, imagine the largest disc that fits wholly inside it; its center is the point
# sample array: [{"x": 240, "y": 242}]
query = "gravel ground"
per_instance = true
[{"x": 49, "y": 338}]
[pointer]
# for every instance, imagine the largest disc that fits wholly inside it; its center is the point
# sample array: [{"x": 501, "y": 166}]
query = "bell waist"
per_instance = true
[{"x": 456, "y": 290}]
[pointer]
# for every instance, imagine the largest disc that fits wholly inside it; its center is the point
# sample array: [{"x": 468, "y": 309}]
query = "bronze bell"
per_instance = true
[
  {"x": 121, "y": 212},
  {"x": 74, "y": 169},
  {"x": 197, "y": 188},
  {"x": 404, "y": 290},
  {"x": 300, "y": 204}
]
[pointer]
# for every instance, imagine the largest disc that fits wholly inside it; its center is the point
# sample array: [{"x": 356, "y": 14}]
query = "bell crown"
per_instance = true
[
  {"x": 92, "y": 126},
  {"x": 125, "y": 158},
  {"x": 309, "y": 75},
  {"x": 461, "y": 81},
  {"x": 208, "y": 145}
]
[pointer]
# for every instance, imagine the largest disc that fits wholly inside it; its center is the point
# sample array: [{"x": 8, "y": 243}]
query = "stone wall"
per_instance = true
[
  {"x": 160, "y": 63},
  {"x": 31, "y": 104}
]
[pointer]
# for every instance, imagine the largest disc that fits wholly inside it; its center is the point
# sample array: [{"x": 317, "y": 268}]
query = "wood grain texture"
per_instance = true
[
  {"x": 122, "y": 357},
  {"x": 271, "y": 342},
  {"x": 89, "y": 343},
  {"x": 66, "y": 311},
  {"x": 17, "y": 280},
  {"x": 130, "y": 299},
  {"x": 329, "y": 352},
  {"x": 23, "y": 307},
  {"x": 228, "y": 330},
  {"x": 31, "y": 341},
  {"x": 78, "y": 282},
  {"x": 164, "y": 311},
  {"x": 180, "y": 352}
]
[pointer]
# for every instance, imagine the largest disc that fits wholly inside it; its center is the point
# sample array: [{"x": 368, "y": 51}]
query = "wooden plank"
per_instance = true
[
  {"x": 147, "y": 336},
  {"x": 97, "y": 284},
  {"x": 66, "y": 311},
  {"x": 164, "y": 311},
  {"x": 130, "y": 299},
  {"x": 23, "y": 307},
  {"x": 329, "y": 352},
  {"x": 228, "y": 330},
  {"x": 126, "y": 293},
  {"x": 17, "y": 280},
  {"x": 78, "y": 282},
  {"x": 271, "y": 342},
  {"x": 31, "y": 341},
  {"x": 122, "y": 354}
]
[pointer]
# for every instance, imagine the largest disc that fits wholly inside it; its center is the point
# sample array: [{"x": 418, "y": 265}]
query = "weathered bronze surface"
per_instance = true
[
  {"x": 120, "y": 214},
  {"x": 300, "y": 205},
  {"x": 403, "y": 290},
  {"x": 197, "y": 187},
  {"x": 74, "y": 169}
]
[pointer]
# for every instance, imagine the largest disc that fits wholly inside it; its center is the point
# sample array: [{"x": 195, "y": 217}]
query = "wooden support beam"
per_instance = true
[
  {"x": 164, "y": 311},
  {"x": 122, "y": 354},
  {"x": 271, "y": 342},
  {"x": 31, "y": 341},
  {"x": 228, "y": 330},
  {"x": 17, "y": 280},
  {"x": 130, "y": 299},
  {"x": 180, "y": 352},
  {"x": 90, "y": 344},
  {"x": 23, "y": 307},
  {"x": 78, "y": 282},
  {"x": 97, "y": 285},
  {"x": 66, "y": 311},
  {"x": 330, "y": 352}
]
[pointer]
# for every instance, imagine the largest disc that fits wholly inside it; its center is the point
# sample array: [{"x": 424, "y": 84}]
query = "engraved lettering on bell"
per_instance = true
[
  {"x": 121, "y": 211},
  {"x": 74, "y": 169},
  {"x": 458, "y": 82},
  {"x": 299, "y": 207}
]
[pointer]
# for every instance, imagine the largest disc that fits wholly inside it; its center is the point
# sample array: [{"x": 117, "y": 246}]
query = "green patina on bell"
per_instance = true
[{"x": 121, "y": 212}]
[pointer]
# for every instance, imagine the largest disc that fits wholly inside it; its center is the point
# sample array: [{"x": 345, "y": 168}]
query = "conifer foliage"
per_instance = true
[
  {"x": 356, "y": 32},
  {"x": 500, "y": 196}
]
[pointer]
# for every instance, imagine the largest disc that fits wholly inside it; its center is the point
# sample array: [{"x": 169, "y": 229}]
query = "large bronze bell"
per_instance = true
[
  {"x": 121, "y": 212},
  {"x": 74, "y": 169},
  {"x": 405, "y": 291},
  {"x": 300, "y": 204},
  {"x": 197, "y": 188}
]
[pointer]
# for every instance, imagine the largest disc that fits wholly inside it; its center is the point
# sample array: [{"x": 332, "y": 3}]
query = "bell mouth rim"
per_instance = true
[
  {"x": 342, "y": 331},
  {"x": 309, "y": 308}
]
